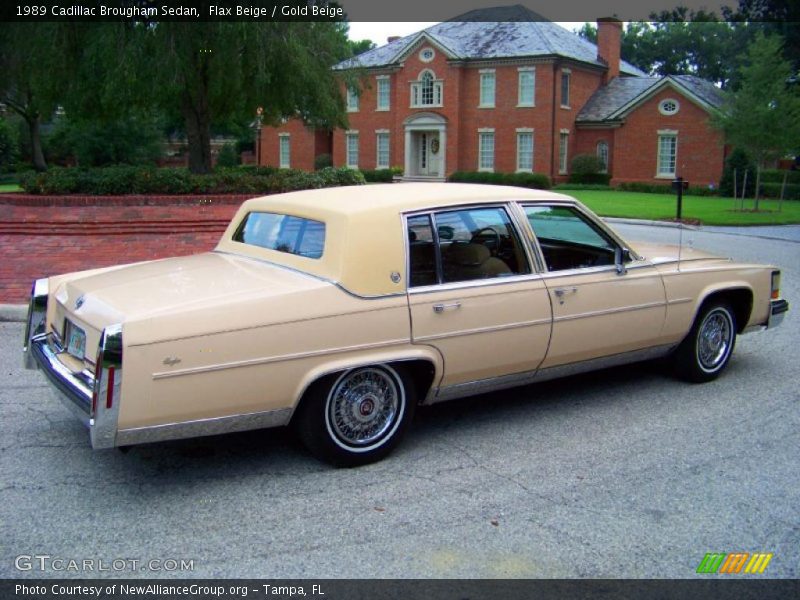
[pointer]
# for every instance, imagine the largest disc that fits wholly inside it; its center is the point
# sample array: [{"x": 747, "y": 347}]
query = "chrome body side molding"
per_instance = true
[
  {"x": 483, "y": 386},
  {"x": 203, "y": 427}
]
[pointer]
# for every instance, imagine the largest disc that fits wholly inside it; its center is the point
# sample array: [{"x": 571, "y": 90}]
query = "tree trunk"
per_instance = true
[
  {"x": 36, "y": 143},
  {"x": 758, "y": 185},
  {"x": 198, "y": 135}
]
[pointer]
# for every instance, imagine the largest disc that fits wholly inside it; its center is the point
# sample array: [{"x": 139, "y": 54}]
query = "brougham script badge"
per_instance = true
[{"x": 171, "y": 361}]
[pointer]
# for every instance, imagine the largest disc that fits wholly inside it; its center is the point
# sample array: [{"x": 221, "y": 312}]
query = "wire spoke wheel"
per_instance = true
[
  {"x": 364, "y": 407},
  {"x": 714, "y": 339}
]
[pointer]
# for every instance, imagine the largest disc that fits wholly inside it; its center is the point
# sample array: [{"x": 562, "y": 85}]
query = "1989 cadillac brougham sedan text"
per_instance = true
[{"x": 339, "y": 310}]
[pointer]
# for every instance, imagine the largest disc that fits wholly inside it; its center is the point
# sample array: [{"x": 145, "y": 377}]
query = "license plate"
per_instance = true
[{"x": 76, "y": 340}]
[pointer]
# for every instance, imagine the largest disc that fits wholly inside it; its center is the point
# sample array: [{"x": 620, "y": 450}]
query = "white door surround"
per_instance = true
[{"x": 425, "y": 146}]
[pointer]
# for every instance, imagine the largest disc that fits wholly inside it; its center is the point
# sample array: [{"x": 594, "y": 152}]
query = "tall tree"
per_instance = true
[
  {"x": 763, "y": 115},
  {"x": 211, "y": 73},
  {"x": 772, "y": 16},
  {"x": 31, "y": 76},
  {"x": 679, "y": 42}
]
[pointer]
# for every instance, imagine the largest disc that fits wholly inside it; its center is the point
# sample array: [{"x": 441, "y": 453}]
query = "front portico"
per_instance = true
[{"x": 425, "y": 147}]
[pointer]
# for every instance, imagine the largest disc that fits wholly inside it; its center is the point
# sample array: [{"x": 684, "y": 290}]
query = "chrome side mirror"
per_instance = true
[{"x": 620, "y": 256}]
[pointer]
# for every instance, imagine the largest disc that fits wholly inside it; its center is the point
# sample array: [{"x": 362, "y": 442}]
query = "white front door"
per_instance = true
[{"x": 428, "y": 153}]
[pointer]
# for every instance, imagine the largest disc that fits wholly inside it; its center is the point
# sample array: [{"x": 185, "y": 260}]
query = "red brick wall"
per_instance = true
[
  {"x": 583, "y": 83},
  {"x": 303, "y": 145},
  {"x": 700, "y": 150},
  {"x": 39, "y": 240},
  {"x": 586, "y": 141}
]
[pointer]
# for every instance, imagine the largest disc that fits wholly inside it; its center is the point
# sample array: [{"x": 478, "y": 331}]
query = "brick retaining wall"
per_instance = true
[{"x": 47, "y": 235}]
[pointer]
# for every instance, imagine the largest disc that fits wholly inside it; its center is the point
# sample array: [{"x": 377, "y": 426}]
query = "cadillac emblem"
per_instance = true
[{"x": 79, "y": 302}]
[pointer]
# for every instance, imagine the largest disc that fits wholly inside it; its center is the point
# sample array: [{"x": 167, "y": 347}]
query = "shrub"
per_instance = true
[
  {"x": 122, "y": 180},
  {"x": 647, "y": 188},
  {"x": 128, "y": 140},
  {"x": 228, "y": 157},
  {"x": 585, "y": 164},
  {"x": 582, "y": 186},
  {"x": 738, "y": 161},
  {"x": 777, "y": 175},
  {"x": 322, "y": 161},
  {"x": 530, "y": 180},
  {"x": 379, "y": 175},
  {"x": 773, "y": 190}
]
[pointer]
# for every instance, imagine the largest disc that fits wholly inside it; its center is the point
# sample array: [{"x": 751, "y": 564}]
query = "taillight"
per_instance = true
[
  {"x": 110, "y": 388},
  {"x": 776, "y": 285}
]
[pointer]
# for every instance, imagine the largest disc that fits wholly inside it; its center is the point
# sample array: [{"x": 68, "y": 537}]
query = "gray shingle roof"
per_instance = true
[
  {"x": 622, "y": 91},
  {"x": 472, "y": 37}
]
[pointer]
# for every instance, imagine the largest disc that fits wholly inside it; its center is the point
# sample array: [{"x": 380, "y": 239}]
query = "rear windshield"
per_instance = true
[{"x": 284, "y": 233}]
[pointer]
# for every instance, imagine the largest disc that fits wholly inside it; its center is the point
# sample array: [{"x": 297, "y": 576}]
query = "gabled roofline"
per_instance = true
[
  {"x": 666, "y": 81},
  {"x": 404, "y": 52}
]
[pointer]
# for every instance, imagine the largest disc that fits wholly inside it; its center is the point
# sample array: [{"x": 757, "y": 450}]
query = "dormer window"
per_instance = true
[{"x": 427, "y": 90}]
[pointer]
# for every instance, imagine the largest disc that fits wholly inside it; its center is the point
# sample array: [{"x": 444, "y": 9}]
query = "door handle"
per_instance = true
[
  {"x": 561, "y": 292},
  {"x": 440, "y": 308}
]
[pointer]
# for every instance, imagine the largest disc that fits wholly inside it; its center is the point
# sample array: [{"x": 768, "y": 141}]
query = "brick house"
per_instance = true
[{"x": 519, "y": 95}]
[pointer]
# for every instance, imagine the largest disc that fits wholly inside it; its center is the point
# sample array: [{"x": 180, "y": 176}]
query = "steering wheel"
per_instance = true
[{"x": 479, "y": 237}]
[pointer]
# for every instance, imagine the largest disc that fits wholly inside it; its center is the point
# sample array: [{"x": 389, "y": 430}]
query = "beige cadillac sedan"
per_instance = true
[{"x": 337, "y": 311}]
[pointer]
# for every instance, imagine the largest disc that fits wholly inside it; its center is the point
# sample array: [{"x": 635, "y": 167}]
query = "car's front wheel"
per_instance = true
[
  {"x": 357, "y": 416},
  {"x": 705, "y": 352}
]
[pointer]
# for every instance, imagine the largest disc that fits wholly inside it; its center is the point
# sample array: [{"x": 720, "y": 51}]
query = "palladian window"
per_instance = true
[{"x": 427, "y": 90}]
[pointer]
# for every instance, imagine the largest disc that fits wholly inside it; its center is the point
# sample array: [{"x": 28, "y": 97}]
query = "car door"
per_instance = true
[
  {"x": 599, "y": 310},
  {"x": 474, "y": 296}
]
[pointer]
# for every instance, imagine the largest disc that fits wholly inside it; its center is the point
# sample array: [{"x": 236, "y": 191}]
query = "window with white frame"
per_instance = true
[
  {"x": 284, "y": 154},
  {"x": 667, "y": 153},
  {"x": 427, "y": 90},
  {"x": 352, "y": 99},
  {"x": 602, "y": 155},
  {"x": 383, "y": 93},
  {"x": 525, "y": 150},
  {"x": 486, "y": 150},
  {"x": 526, "y": 95},
  {"x": 351, "y": 145},
  {"x": 566, "y": 75},
  {"x": 563, "y": 151},
  {"x": 487, "y": 89},
  {"x": 382, "y": 147}
]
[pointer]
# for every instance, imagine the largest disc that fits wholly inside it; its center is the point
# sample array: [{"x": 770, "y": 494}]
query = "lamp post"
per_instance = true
[
  {"x": 678, "y": 184},
  {"x": 259, "y": 117}
]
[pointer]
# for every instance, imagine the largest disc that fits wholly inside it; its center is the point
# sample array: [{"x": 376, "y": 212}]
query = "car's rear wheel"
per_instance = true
[
  {"x": 705, "y": 352},
  {"x": 357, "y": 416}
]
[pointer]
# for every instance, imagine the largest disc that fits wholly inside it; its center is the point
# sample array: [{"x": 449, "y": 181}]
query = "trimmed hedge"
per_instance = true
[
  {"x": 664, "y": 188},
  {"x": 378, "y": 175},
  {"x": 582, "y": 186},
  {"x": 121, "y": 180},
  {"x": 776, "y": 176},
  {"x": 590, "y": 178},
  {"x": 773, "y": 190},
  {"x": 529, "y": 180}
]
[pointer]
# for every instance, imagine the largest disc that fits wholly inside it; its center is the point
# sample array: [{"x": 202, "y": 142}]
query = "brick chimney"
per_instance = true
[
  {"x": 392, "y": 38},
  {"x": 609, "y": 41}
]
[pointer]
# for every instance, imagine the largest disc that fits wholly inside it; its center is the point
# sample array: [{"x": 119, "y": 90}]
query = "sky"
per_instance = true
[{"x": 378, "y": 32}]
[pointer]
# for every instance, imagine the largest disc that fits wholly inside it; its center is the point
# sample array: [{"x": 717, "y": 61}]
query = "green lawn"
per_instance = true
[
  {"x": 708, "y": 210},
  {"x": 9, "y": 187}
]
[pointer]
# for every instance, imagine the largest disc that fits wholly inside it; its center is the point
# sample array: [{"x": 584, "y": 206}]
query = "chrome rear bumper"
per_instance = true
[
  {"x": 74, "y": 390},
  {"x": 94, "y": 398},
  {"x": 777, "y": 310}
]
